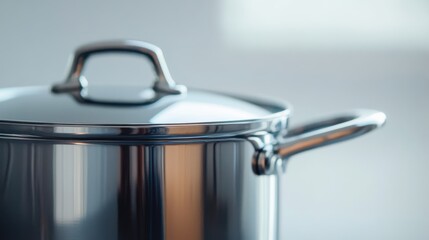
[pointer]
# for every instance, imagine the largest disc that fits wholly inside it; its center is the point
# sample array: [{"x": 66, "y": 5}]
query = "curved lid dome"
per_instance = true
[
  {"x": 39, "y": 105},
  {"x": 75, "y": 110}
]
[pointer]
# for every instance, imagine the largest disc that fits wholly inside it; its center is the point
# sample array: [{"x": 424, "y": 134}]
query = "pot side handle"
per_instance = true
[{"x": 331, "y": 130}]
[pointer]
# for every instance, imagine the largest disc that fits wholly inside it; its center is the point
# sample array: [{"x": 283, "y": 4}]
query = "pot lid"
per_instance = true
[{"x": 75, "y": 109}]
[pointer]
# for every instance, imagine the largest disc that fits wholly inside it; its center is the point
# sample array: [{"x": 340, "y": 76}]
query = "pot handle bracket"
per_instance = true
[
  {"x": 321, "y": 133},
  {"x": 77, "y": 84}
]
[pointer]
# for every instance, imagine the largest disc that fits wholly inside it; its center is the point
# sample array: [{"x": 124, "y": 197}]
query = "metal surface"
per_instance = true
[
  {"x": 332, "y": 130},
  {"x": 67, "y": 174},
  {"x": 159, "y": 190},
  {"x": 166, "y": 111},
  {"x": 77, "y": 84},
  {"x": 200, "y": 115},
  {"x": 197, "y": 107},
  {"x": 306, "y": 137},
  {"x": 194, "y": 191},
  {"x": 103, "y": 123}
]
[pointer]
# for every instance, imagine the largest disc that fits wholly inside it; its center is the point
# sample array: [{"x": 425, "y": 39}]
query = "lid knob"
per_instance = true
[{"x": 76, "y": 83}]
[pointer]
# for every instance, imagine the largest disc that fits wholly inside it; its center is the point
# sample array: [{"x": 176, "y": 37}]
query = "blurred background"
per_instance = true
[{"x": 322, "y": 56}]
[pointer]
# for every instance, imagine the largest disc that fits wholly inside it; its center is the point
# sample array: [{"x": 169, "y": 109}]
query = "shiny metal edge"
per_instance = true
[
  {"x": 272, "y": 123},
  {"x": 270, "y": 157},
  {"x": 140, "y": 132},
  {"x": 76, "y": 84}
]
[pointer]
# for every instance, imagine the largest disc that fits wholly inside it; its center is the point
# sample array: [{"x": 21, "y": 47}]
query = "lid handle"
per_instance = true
[{"x": 77, "y": 84}]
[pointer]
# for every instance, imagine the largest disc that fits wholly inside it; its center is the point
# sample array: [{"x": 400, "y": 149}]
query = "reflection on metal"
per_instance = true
[
  {"x": 183, "y": 187},
  {"x": 321, "y": 133},
  {"x": 193, "y": 180},
  {"x": 77, "y": 85},
  {"x": 180, "y": 191},
  {"x": 329, "y": 131},
  {"x": 196, "y": 189},
  {"x": 70, "y": 184},
  {"x": 267, "y": 215}
]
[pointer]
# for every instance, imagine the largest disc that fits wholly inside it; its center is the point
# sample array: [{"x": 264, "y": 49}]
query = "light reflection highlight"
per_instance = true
[{"x": 70, "y": 184}]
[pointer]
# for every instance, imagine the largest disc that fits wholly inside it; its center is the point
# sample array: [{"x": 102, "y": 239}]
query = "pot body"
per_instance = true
[
  {"x": 180, "y": 190},
  {"x": 222, "y": 184}
]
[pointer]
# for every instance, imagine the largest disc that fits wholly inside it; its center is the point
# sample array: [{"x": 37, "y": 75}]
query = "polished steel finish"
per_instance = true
[
  {"x": 77, "y": 84},
  {"x": 198, "y": 107},
  {"x": 176, "y": 191},
  {"x": 166, "y": 167},
  {"x": 136, "y": 132},
  {"x": 321, "y": 133},
  {"x": 198, "y": 114},
  {"x": 159, "y": 190},
  {"x": 170, "y": 112},
  {"x": 331, "y": 130}
]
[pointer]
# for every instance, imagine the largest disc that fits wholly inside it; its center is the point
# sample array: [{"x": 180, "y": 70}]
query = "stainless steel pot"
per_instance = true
[{"x": 173, "y": 164}]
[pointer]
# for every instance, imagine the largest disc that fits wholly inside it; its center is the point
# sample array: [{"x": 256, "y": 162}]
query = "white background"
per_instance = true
[{"x": 374, "y": 187}]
